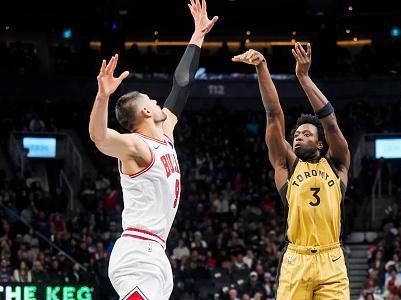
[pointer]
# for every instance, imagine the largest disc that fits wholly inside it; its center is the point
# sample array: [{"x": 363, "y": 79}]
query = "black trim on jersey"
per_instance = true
[
  {"x": 292, "y": 168},
  {"x": 343, "y": 188},
  {"x": 283, "y": 194},
  {"x": 332, "y": 166}
]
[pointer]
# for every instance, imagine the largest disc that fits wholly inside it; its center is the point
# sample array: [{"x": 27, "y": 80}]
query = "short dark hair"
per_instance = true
[
  {"x": 126, "y": 110},
  {"x": 311, "y": 119}
]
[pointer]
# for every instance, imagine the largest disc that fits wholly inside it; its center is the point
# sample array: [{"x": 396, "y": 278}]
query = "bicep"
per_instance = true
[
  {"x": 119, "y": 145},
  {"x": 169, "y": 123},
  {"x": 280, "y": 152},
  {"x": 281, "y": 157}
]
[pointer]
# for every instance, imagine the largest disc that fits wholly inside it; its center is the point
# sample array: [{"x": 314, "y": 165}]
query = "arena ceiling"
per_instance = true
[{"x": 88, "y": 19}]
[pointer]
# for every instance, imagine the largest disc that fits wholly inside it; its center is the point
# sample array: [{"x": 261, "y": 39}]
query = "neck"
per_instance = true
[
  {"x": 314, "y": 160},
  {"x": 152, "y": 130},
  {"x": 311, "y": 158}
]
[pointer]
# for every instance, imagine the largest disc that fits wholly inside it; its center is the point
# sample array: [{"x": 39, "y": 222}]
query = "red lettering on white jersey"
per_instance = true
[{"x": 151, "y": 197}]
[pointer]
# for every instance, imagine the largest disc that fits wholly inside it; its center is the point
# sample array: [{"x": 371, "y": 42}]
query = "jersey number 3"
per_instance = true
[
  {"x": 177, "y": 192},
  {"x": 315, "y": 194}
]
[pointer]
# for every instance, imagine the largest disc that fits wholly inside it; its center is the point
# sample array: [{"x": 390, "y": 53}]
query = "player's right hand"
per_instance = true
[
  {"x": 107, "y": 83},
  {"x": 251, "y": 57}
]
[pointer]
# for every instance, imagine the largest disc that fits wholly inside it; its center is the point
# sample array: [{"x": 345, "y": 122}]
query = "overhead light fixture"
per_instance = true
[
  {"x": 395, "y": 31},
  {"x": 67, "y": 33}
]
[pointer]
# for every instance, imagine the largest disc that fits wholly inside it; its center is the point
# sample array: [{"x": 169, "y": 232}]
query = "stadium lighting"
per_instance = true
[
  {"x": 395, "y": 31},
  {"x": 67, "y": 33}
]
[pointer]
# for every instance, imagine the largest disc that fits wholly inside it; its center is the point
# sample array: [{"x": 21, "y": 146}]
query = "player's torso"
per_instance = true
[
  {"x": 151, "y": 196},
  {"x": 314, "y": 197}
]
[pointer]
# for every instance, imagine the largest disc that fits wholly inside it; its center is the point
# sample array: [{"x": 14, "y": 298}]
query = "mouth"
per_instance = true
[{"x": 297, "y": 145}]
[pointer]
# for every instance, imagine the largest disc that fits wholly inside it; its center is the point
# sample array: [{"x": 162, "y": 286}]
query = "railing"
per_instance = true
[
  {"x": 66, "y": 150},
  {"x": 64, "y": 182},
  {"x": 376, "y": 188},
  {"x": 42, "y": 236},
  {"x": 76, "y": 159},
  {"x": 17, "y": 154},
  {"x": 360, "y": 152}
]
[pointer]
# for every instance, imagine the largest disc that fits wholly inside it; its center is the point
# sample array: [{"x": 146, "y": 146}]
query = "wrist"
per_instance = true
[
  {"x": 261, "y": 64},
  {"x": 101, "y": 96},
  {"x": 197, "y": 38},
  {"x": 302, "y": 76}
]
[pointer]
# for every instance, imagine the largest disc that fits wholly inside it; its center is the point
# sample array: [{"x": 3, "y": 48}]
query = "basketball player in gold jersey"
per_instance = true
[{"x": 311, "y": 176}]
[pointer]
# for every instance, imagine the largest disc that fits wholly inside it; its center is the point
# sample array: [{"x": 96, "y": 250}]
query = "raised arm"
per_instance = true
[
  {"x": 280, "y": 153},
  {"x": 338, "y": 146},
  {"x": 185, "y": 72},
  {"x": 107, "y": 140}
]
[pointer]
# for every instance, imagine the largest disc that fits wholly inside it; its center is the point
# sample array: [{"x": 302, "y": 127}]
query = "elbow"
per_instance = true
[
  {"x": 92, "y": 135},
  {"x": 95, "y": 137},
  {"x": 183, "y": 80}
]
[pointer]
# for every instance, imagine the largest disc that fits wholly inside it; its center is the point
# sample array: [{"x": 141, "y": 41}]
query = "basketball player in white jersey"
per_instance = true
[{"x": 149, "y": 169}]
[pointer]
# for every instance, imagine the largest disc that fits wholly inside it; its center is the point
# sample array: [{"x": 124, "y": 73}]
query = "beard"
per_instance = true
[{"x": 307, "y": 154}]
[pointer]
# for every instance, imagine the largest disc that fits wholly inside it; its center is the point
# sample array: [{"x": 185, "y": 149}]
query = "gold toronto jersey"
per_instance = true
[{"x": 314, "y": 195}]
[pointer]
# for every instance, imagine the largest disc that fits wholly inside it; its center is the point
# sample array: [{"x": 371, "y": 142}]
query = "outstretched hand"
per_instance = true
[
  {"x": 251, "y": 57},
  {"x": 107, "y": 83},
  {"x": 202, "y": 22},
  {"x": 303, "y": 58}
]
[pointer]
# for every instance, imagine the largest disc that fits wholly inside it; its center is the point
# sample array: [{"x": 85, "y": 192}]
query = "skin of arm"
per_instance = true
[
  {"x": 126, "y": 147},
  {"x": 338, "y": 146},
  {"x": 280, "y": 153}
]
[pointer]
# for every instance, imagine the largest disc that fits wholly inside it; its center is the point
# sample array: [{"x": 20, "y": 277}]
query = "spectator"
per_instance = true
[
  {"x": 38, "y": 273},
  {"x": 5, "y": 271},
  {"x": 37, "y": 124},
  {"x": 181, "y": 251},
  {"x": 22, "y": 274}
]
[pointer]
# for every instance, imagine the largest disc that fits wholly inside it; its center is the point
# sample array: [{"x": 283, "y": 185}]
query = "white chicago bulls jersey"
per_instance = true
[{"x": 151, "y": 196}]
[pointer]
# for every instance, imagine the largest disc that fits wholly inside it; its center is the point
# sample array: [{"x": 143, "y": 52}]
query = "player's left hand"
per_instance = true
[
  {"x": 303, "y": 58},
  {"x": 202, "y": 22}
]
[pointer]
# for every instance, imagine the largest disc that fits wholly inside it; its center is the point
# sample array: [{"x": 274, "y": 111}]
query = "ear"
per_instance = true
[
  {"x": 146, "y": 112},
  {"x": 320, "y": 145}
]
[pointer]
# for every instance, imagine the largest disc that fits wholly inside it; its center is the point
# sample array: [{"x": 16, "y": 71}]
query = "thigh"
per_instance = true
[
  {"x": 333, "y": 278},
  {"x": 135, "y": 269},
  {"x": 294, "y": 281},
  {"x": 148, "y": 287}
]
